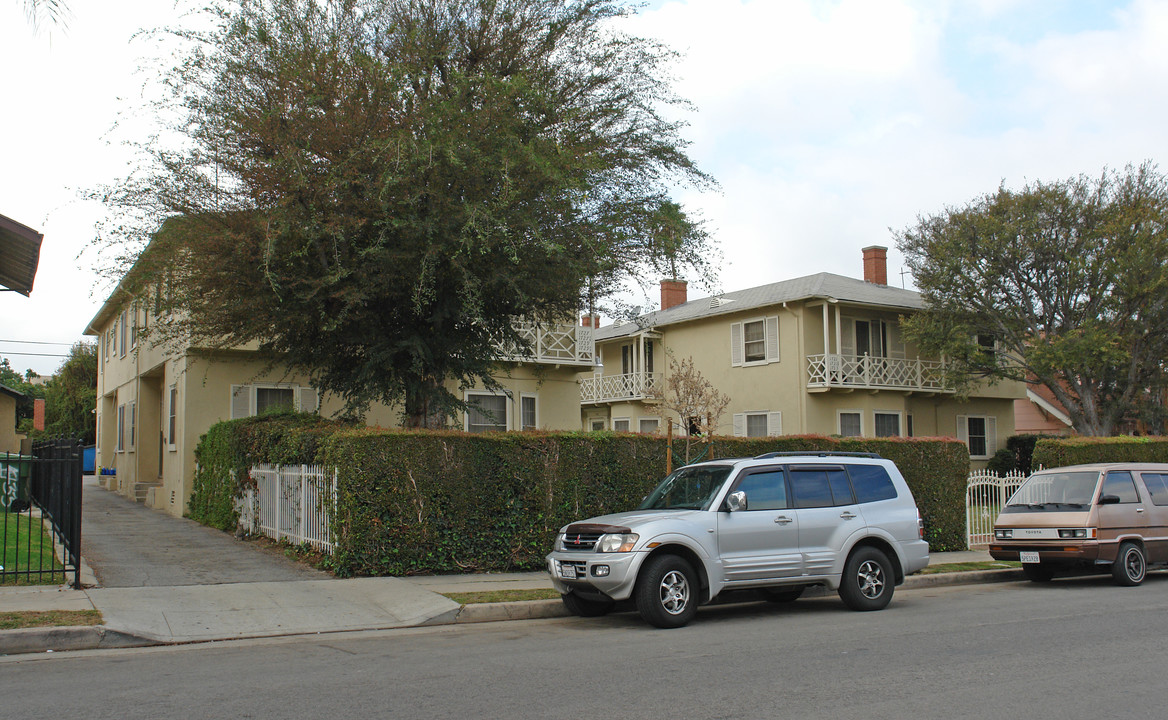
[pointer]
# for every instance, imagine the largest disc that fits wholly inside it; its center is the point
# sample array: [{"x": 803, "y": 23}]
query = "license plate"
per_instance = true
[
  {"x": 1028, "y": 557},
  {"x": 568, "y": 572}
]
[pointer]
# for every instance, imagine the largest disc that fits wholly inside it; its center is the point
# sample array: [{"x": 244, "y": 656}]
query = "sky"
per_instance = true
[{"x": 829, "y": 125}]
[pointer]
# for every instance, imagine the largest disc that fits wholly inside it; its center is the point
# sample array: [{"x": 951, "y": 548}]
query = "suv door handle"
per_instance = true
[
  {"x": 782, "y": 519},
  {"x": 847, "y": 515}
]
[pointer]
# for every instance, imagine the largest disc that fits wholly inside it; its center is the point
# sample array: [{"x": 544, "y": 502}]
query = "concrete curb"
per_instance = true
[
  {"x": 973, "y": 577},
  {"x": 62, "y": 639}
]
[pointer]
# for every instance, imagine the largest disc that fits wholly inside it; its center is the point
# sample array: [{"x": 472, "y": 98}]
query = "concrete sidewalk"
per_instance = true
[{"x": 140, "y": 616}]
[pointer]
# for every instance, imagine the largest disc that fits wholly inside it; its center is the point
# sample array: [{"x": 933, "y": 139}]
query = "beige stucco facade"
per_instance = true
[{"x": 9, "y": 438}]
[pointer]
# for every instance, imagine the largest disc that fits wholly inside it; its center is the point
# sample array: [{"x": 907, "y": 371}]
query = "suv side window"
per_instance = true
[
  {"x": 871, "y": 483},
  {"x": 1121, "y": 484},
  {"x": 841, "y": 489},
  {"x": 1157, "y": 485},
  {"x": 765, "y": 489},
  {"x": 810, "y": 487}
]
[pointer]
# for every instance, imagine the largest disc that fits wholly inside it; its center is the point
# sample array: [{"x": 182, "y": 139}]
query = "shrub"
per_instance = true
[{"x": 1081, "y": 450}]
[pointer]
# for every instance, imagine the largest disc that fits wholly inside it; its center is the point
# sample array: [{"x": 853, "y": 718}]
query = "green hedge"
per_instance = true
[
  {"x": 412, "y": 502},
  {"x": 1050, "y": 453}
]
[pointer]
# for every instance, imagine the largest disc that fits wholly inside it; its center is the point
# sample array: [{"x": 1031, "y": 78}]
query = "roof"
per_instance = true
[
  {"x": 9, "y": 391},
  {"x": 821, "y": 285},
  {"x": 20, "y": 253}
]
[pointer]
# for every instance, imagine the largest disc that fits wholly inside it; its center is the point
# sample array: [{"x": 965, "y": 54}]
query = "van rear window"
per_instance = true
[
  {"x": 871, "y": 483},
  {"x": 1157, "y": 485}
]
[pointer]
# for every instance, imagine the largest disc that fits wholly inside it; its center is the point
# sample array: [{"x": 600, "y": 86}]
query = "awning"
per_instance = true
[{"x": 20, "y": 253}]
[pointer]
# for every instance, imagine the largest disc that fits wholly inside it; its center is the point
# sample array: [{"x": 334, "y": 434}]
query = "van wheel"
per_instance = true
[
  {"x": 867, "y": 580},
  {"x": 582, "y": 607},
  {"x": 1037, "y": 572},
  {"x": 667, "y": 592},
  {"x": 1130, "y": 565}
]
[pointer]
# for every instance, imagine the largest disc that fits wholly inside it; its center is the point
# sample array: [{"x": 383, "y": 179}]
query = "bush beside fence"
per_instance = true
[
  {"x": 439, "y": 502},
  {"x": 1050, "y": 453}
]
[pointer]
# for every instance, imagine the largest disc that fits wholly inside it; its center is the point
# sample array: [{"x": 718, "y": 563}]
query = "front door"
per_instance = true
[{"x": 762, "y": 541}]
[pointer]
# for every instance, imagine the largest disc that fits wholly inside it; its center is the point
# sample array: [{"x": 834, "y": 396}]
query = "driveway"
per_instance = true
[{"x": 129, "y": 545}]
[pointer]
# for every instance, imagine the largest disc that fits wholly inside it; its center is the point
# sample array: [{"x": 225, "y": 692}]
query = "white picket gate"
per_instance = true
[
  {"x": 985, "y": 496},
  {"x": 292, "y": 503}
]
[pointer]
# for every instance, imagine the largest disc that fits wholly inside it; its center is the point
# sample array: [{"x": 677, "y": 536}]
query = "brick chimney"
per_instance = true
[
  {"x": 592, "y": 321},
  {"x": 673, "y": 292},
  {"x": 876, "y": 264},
  {"x": 38, "y": 414}
]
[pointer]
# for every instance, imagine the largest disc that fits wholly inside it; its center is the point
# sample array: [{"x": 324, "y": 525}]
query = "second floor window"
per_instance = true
[{"x": 754, "y": 342}]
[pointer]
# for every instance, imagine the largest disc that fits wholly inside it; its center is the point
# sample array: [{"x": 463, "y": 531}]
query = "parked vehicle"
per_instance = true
[
  {"x": 777, "y": 523},
  {"x": 1103, "y": 517}
]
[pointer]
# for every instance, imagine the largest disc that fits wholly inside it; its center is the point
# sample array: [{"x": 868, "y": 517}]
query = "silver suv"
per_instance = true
[{"x": 778, "y": 523}]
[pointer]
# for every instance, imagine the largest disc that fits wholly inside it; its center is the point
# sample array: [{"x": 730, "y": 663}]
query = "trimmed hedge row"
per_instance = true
[
  {"x": 1049, "y": 453},
  {"x": 412, "y": 502}
]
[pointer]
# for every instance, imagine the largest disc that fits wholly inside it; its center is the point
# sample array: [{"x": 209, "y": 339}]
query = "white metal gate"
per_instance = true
[
  {"x": 292, "y": 503},
  {"x": 985, "y": 495}
]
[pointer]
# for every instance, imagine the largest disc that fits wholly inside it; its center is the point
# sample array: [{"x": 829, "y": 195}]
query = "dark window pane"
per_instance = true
[
  {"x": 1121, "y": 484},
  {"x": 1157, "y": 486},
  {"x": 273, "y": 399},
  {"x": 765, "y": 490},
  {"x": 887, "y": 425},
  {"x": 871, "y": 483},
  {"x": 811, "y": 489},
  {"x": 841, "y": 489}
]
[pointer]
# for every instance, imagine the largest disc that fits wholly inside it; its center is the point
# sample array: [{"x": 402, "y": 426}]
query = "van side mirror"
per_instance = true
[
  {"x": 1108, "y": 499},
  {"x": 736, "y": 501}
]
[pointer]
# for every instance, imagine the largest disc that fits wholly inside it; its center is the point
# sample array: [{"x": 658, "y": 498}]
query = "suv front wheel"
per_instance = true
[
  {"x": 867, "y": 582},
  {"x": 667, "y": 591}
]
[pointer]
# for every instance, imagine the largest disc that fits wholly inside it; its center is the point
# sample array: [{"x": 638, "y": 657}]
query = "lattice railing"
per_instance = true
[
  {"x": 877, "y": 373},
  {"x": 613, "y": 388},
  {"x": 552, "y": 344}
]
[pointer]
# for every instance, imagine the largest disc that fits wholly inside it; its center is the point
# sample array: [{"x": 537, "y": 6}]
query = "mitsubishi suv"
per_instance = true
[{"x": 777, "y": 523}]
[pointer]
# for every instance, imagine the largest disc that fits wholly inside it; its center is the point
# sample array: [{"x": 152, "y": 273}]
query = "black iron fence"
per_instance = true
[{"x": 40, "y": 527}]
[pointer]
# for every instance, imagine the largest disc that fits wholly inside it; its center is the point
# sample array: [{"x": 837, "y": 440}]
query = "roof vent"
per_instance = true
[{"x": 717, "y": 302}]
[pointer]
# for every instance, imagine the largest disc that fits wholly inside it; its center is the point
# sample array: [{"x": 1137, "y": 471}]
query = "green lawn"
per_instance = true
[{"x": 28, "y": 545}]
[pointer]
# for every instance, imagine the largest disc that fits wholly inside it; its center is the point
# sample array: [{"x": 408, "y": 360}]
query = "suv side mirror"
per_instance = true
[
  {"x": 736, "y": 501},
  {"x": 1108, "y": 499}
]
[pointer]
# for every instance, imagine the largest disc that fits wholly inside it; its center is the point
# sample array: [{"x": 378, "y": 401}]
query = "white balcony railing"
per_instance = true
[
  {"x": 615, "y": 388},
  {"x": 875, "y": 373},
  {"x": 553, "y": 344}
]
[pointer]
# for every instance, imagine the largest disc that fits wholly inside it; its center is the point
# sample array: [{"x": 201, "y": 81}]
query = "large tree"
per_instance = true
[
  {"x": 71, "y": 395},
  {"x": 1063, "y": 284},
  {"x": 375, "y": 190}
]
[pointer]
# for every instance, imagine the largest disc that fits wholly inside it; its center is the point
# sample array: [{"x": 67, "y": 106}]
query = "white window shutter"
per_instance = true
[
  {"x": 991, "y": 424},
  {"x": 240, "y": 401},
  {"x": 774, "y": 423},
  {"x": 963, "y": 429},
  {"x": 736, "y": 349},
  {"x": 772, "y": 339},
  {"x": 308, "y": 399},
  {"x": 847, "y": 336},
  {"x": 739, "y": 424}
]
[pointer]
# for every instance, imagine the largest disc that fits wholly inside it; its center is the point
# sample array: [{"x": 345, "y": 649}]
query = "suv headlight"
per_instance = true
[
  {"x": 614, "y": 542},
  {"x": 1003, "y": 534}
]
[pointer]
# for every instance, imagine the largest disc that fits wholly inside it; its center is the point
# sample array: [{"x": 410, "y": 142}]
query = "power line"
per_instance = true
[
  {"x": 35, "y": 342},
  {"x": 6, "y": 353}
]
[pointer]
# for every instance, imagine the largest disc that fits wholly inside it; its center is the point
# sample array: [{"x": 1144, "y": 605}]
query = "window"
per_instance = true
[
  {"x": 765, "y": 490},
  {"x": 908, "y": 425},
  {"x": 122, "y": 335},
  {"x": 527, "y": 418},
  {"x": 170, "y": 424},
  {"x": 121, "y": 447},
  {"x": 596, "y": 424},
  {"x": 1157, "y": 485},
  {"x": 649, "y": 425},
  {"x": 1121, "y": 485},
  {"x": 849, "y": 424},
  {"x": 979, "y": 433},
  {"x": 134, "y": 325},
  {"x": 887, "y": 424},
  {"x": 133, "y": 417},
  {"x": 754, "y": 342},
  {"x": 248, "y": 400},
  {"x": 487, "y": 412},
  {"x": 871, "y": 483},
  {"x": 620, "y": 424},
  {"x": 758, "y": 424},
  {"x": 810, "y": 488}
]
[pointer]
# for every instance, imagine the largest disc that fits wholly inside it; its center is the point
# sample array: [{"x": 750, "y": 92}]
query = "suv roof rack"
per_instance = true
[{"x": 818, "y": 453}]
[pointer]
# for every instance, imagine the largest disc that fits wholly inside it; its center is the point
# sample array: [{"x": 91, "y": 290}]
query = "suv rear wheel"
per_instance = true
[
  {"x": 582, "y": 607},
  {"x": 667, "y": 591},
  {"x": 867, "y": 580}
]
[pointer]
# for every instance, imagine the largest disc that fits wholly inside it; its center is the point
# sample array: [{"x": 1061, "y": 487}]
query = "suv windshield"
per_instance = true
[
  {"x": 687, "y": 488},
  {"x": 1055, "y": 492}
]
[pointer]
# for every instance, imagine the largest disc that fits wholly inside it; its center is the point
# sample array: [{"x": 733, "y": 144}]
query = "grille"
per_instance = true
[{"x": 581, "y": 542}]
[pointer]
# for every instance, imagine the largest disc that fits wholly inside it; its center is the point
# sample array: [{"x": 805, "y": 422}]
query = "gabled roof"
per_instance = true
[
  {"x": 20, "y": 253},
  {"x": 5, "y": 390},
  {"x": 809, "y": 287}
]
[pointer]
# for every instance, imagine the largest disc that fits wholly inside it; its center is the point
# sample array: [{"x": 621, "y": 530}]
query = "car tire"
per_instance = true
[
  {"x": 667, "y": 590},
  {"x": 1038, "y": 572},
  {"x": 583, "y": 607},
  {"x": 867, "y": 582},
  {"x": 783, "y": 594},
  {"x": 1130, "y": 566}
]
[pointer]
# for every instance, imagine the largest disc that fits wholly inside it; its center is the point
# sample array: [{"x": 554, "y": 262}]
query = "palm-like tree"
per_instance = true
[{"x": 46, "y": 12}]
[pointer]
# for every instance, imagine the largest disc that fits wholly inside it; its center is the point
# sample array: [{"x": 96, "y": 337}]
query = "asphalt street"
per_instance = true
[{"x": 1070, "y": 649}]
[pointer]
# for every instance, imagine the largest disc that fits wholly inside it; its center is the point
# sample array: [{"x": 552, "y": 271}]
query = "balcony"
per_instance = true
[
  {"x": 619, "y": 388},
  {"x": 864, "y": 372},
  {"x": 565, "y": 344}
]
